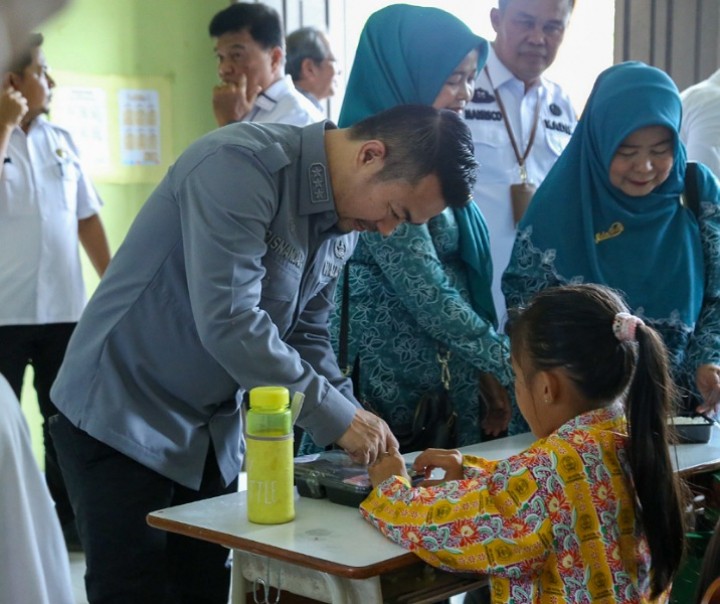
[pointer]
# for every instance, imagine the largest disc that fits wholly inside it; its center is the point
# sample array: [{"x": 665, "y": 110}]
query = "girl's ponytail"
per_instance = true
[{"x": 658, "y": 488}]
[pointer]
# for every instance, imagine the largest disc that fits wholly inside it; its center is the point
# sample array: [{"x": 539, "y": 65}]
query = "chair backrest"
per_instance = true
[{"x": 712, "y": 593}]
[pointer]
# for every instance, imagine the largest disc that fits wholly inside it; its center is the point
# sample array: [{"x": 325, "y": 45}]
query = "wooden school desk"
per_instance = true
[{"x": 331, "y": 554}]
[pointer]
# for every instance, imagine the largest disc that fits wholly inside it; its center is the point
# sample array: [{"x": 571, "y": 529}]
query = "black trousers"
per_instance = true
[
  {"x": 129, "y": 562},
  {"x": 43, "y": 348}
]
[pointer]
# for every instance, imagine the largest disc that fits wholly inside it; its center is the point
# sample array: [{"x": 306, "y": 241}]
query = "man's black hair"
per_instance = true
[
  {"x": 420, "y": 140},
  {"x": 262, "y": 22}
]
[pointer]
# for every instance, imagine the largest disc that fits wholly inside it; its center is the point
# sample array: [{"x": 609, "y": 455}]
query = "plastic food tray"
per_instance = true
[
  {"x": 688, "y": 433},
  {"x": 334, "y": 475}
]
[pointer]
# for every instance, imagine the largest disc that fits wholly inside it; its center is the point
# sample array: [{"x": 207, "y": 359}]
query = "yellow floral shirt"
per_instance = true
[{"x": 553, "y": 524}]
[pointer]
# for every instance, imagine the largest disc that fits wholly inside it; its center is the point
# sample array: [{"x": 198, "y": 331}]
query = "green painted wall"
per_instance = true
[{"x": 134, "y": 38}]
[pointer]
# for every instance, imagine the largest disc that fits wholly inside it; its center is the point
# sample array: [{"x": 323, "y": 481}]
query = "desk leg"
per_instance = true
[{"x": 238, "y": 585}]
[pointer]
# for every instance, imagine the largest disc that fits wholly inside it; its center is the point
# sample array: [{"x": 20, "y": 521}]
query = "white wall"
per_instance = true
[{"x": 586, "y": 51}]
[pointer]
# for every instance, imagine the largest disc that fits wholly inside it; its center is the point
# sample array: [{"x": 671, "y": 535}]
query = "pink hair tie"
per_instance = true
[{"x": 625, "y": 325}]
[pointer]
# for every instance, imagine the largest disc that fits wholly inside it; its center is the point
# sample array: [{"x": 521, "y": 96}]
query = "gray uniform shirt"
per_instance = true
[{"x": 225, "y": 281}]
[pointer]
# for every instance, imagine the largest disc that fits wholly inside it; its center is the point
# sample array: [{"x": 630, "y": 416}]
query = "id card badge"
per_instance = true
[{"x": 520, "y": 195}]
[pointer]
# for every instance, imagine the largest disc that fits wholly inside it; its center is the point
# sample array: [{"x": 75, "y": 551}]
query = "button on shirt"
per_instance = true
[
  {"x": 493, "y": 150},
  {"x": 225, "y": 281},
  {"x": 281, "y": 103},
  {"x": 43, "y": 194},
  {"x": 700, "y": 130}
]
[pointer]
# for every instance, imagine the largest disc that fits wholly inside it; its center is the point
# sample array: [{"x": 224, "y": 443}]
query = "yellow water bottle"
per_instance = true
[{"x": 269, "y": 456}]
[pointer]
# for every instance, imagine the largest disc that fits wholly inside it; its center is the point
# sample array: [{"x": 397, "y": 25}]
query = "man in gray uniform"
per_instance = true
[{"x": 225, "y": 282}]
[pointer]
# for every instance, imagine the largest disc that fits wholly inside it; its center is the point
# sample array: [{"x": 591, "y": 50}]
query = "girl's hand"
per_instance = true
[
  {"x": 387, "y": 465},
  {"x": 707, "y": 378},
  {"x": 449, "y": 460}
]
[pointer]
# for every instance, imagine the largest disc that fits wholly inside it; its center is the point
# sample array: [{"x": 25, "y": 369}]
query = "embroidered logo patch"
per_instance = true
[
  {"x": 340, "y": 249},
  {"x": 482, "y": 96}
]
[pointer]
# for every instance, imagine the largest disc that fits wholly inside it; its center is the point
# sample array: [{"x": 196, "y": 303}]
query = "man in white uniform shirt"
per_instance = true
[
  {"x": 538, "y": 115},
  {"x": 47, "y": 207},
  {"x": 312, "y": 64},
  {"x": 700, "y": 130},
  {"x": 249, "y": 44}
]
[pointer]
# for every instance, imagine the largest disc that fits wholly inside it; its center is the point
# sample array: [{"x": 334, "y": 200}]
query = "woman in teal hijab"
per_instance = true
[
  {"x": 612, "y": 211},
  {"x": 424, "y": 292}
]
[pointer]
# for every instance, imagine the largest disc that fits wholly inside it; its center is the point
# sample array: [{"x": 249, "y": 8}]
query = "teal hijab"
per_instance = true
[
  {"x": 648, "y": 247},
  {"x": 405, "y": 55}
]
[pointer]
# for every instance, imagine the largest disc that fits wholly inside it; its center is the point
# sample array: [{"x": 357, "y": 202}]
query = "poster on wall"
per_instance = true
[
  {"x": 139, "y": 112},
  {"x": 122, "y": 124},
  {"x": 82, "y": 111}
]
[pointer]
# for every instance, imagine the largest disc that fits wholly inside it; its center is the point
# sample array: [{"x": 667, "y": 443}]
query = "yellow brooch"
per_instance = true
[{"x": 615, "y": 229}]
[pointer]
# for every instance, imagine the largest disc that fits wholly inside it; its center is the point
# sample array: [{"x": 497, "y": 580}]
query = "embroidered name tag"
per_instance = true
[
  {"x": 330, "y": 269},
  {"x": 483, "y": 114},
  {"x": 615, "y": 229},
  {"x": 558, "y": 126},
  {"x": 283, "y": 249}
]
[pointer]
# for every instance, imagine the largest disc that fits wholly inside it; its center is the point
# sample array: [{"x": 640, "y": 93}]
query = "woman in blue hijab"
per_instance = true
[
  {"x": 612, "y": 211},
  {"x": 423, "y": 293}
]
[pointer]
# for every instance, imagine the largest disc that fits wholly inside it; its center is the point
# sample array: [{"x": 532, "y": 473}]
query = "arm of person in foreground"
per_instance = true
[{"x": 367, "y": 435}]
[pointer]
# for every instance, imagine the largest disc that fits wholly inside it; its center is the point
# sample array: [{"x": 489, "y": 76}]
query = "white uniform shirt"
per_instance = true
[
  {"x": 43, "y": 194},
  {"x": 700, "y": 129},
  {"x": 493, "y": 150},
  {"x": 281, "y": 103},
  {"x": 34, "y": 565}
]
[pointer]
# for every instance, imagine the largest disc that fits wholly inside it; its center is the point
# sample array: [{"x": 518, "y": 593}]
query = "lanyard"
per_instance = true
[{"x": 520, "y": 158}]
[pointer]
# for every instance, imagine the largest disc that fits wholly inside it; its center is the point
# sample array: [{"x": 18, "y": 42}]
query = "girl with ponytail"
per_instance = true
[{"x": 592, "y": 512}]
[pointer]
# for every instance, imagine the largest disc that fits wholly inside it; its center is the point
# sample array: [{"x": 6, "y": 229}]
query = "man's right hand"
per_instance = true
[
  {"x": 232, "y": 102},
  {"x": 367, "y": 437},
  {"x": 13, "y": 107}
]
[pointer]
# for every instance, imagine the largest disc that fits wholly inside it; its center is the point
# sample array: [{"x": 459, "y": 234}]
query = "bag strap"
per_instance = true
[
  {"x": 444, "y": 358},
  {"x": 344, "y": 322},
  {"x": 348, "y": 370},
  {"x": 691, "y": 195}
]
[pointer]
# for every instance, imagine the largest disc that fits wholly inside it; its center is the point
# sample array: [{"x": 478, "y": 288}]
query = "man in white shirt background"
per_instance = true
[
  {"x": 311, "y": 64},
  {"x": 513, "y": 100},
  {"x": 47, "y": 207},
  {"x": 249, "y": 44},
  {"x": 700, "y": 129}
]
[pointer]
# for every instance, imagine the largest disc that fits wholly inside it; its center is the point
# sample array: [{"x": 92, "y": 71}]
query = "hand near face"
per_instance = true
[
  {"x": 448, "y": 460},
  {"x": 707, "y": 378},
  {"x": 367, "y": 437},
  {"x": 232, "y": 102},
  {"x": 13, "y": 107},
  {"x": 387, "y": 465}
]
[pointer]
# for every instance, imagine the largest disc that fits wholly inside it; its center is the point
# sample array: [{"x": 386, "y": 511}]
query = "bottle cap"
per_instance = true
[{"x": 269, "y": 398}]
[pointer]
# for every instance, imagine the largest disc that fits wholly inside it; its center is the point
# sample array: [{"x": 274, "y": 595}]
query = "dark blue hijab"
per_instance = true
[{"x": 649, "y": 247}]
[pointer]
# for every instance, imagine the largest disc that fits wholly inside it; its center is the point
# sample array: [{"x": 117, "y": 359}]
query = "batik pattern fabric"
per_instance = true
[
  {"x": 656, "y": 250},
  {"x": 556, "y": 523},
  {"x": 409, "y": 302},
  {"x": 689, "y": 345}
]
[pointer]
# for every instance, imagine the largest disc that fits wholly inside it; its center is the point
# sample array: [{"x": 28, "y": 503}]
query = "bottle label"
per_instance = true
[{"x": 270, "y": 495}]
